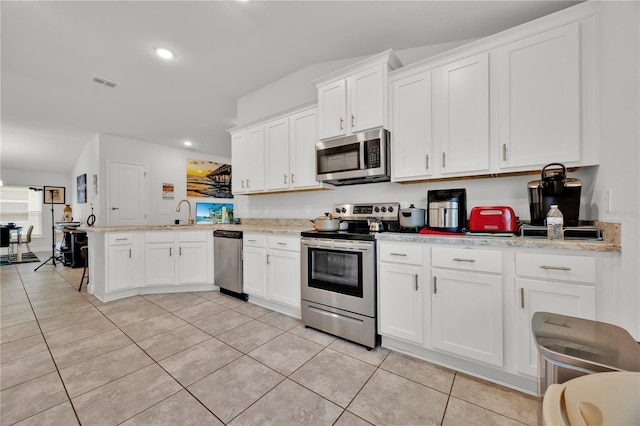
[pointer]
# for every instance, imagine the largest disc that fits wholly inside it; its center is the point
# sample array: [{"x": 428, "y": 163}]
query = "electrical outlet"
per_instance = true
[{"x": 607, "y": 201}]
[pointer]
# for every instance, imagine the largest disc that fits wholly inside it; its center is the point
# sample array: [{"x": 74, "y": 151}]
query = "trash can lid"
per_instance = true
[{"x": 592, "y": 345}]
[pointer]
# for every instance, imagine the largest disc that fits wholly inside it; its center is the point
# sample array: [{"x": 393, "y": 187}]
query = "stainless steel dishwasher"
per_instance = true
[{"x": 227, "y": 263}]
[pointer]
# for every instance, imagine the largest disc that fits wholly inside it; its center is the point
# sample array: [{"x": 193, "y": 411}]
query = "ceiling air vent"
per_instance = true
[{"x": 104, "y": 81}]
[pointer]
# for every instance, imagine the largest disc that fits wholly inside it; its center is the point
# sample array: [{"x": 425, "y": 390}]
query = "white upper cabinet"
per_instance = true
[
  {"x": 254, "y": 159},
  {"x": 366, "y": 99},
  {"x": 464, "y": 115},
  {"x": 247, "y": 151},
  {"x": 238, "y": 176},
  {"x": 303, "y": 127},
  {"x": 411, "y": 127},
  {"x": 354, "y": 99},
  {"x": 332, "y": 109},
  {"x": 539, "y": 88},
  {"x": 277, "y": 154}
]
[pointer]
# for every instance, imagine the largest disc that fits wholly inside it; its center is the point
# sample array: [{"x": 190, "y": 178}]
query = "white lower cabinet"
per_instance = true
[
  {"x": 121, "y": 262},
  {"x": 271, "y": 271},
  {"x": 176, "y": 258},
  {"x": 559, "y": 284},
  {"x": 401, "y": 285},
  {"x": 466, "y": 303}
]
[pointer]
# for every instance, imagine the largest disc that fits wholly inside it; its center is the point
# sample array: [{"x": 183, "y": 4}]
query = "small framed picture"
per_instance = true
[
  {"x": 82, "y": 188},
  {"x": 54, "y": 195}
]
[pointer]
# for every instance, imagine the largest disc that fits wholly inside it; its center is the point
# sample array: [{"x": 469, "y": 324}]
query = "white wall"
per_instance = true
[
  {"x": 619, "y": 103},
  {"x": 35, "y": 178},
  {"x": 88, "y": 163},
  {"x": 163, "y": 165}
]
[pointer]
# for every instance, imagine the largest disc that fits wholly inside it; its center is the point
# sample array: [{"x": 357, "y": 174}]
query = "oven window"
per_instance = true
[{"x": 337, "y": 271}]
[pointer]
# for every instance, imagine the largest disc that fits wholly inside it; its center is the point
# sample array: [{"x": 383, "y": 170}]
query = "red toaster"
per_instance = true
[{"x": 493, "y": 219}]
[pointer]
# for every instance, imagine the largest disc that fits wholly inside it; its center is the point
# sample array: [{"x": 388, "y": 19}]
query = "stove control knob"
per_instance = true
[
  {"x": 390, "y": 209},
  {"x": 384, "y": 209},
  {"x": 376, "y": 209},
  {"x": 343, "y": 210}
]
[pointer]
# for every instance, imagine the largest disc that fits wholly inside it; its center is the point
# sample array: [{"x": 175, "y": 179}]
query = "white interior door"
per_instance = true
[{"x": 127, "y": 194}]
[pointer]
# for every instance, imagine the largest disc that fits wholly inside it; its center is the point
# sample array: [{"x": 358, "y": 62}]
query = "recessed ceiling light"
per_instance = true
[
  {"x": 164, "y": 53},
  {"x": 187, "y": 143}
]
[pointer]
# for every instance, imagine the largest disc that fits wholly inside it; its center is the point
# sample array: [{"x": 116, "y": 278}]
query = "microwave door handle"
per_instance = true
[{"x": 362, "y": 145}]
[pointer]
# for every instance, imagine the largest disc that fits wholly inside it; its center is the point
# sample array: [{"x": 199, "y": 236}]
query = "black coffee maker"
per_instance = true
[{"x": 554, "y": 188}]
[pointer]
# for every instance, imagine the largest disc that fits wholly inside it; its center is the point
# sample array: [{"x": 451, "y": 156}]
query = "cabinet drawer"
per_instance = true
[
  {"x": 556, "y": 267},
  {"x": 283, "y": 243},
  {"x": 468, "y": 260},
  {"x": 401, "y": 253},
  {"x": 158, "y": 237},
  {"x": 254, "y": 240},
  {"x": 120, "y": 238},
  {"x": 192, "y": 236}
]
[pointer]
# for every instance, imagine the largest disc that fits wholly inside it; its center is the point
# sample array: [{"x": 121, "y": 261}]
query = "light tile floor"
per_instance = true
[{"x": 204, "y": 358}]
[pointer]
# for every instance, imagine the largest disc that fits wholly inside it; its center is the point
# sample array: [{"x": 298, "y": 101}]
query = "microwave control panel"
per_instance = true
[{"x": 373, "y": 153}]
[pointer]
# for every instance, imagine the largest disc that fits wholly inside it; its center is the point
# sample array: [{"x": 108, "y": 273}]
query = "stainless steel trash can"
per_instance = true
[{"x": 569, "y": 347}]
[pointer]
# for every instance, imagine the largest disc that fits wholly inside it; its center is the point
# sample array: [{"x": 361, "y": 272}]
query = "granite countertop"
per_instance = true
[{"x": 610, "y": 243}]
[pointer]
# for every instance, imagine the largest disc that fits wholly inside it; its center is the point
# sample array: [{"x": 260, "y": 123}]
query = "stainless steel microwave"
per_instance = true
[{"x": 355, "y": 159}]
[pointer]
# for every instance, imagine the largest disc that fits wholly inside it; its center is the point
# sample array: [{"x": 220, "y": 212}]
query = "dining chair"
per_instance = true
[
  {"x": 5, "y": 238},
  {"x": 25, "y": 240}
]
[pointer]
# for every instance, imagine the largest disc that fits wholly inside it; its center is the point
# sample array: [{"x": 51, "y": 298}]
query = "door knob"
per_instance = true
[{"x": 115, "y": 208}]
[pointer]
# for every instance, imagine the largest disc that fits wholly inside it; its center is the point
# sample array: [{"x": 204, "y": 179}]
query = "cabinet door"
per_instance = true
[
  {"x": 284, "y": 277},
  {"x": 467, "y": 315},
  {"x": 464, "y": 115},
  {"x": 254, "y": 270},
  {"x": 239, "y": 160},
  {"x": 192, "y": 262},
  {"x": 121, "y": 267},
  {"x": 400, "y": 302},
  {"x": 547, "y": 296},
  {"x": 412, "y": 147},
  {"x": 277, "y": 154},
  {"x": 302, "y": 151},
  {"x": 366, "y": 100},
  {"x": 332, "y": 109},
  {"x": 254, "y": 155},
  {"x": 159, "y": 264},
  {"x": 540, "y": 99}
]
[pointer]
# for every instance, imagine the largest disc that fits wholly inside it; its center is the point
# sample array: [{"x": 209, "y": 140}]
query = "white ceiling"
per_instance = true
[{"x": 224, "y": 50}]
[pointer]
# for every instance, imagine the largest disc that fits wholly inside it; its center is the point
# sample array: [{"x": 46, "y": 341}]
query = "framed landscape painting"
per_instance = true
[{"x": 208, "y": 179}]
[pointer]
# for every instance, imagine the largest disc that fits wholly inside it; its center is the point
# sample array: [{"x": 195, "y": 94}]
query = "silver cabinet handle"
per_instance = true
[
  {"x": 281, "y": 243},
  {"x": 129, "y": 253},
  {"x": 504, "y": 152},
  {"x": 242, "y": 183},
  {"x": 555, "y": 268},
  {"x": 522, "y": 297},
  {"x": 353, "y": 121},
  {"x": 251, "y": 241},
  {"x": 462, "y": 259},
  {"x": 435, "y": 285},
  {"x": 398, "y": 254},
  {"x": 115, "y": 208},
  {"x": 122, "y": 239},
  {"x": 427, "y": 162},
  {"x": 417, "y": 286},
  {"x": 268, "y": 259},
  {"x": 180, "y": 251},
  {"x": 341, "y": 123},
  {"x": 248, "y": 183},
  {"x": 170, "y": 251},
  {"x": 285, "y": 178},
  {"x": 293, "y": 178},
  {"x": 444, "y": 160}
]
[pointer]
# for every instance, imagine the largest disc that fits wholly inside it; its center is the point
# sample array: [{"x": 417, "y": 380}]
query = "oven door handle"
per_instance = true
[{"x": 361, "y": 147}]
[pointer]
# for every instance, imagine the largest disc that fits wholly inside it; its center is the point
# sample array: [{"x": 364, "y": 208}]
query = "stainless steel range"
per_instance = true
[{"x": 339, "y": 272}]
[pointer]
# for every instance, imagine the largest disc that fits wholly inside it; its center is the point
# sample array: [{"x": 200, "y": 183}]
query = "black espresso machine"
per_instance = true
[{"x": 554, "y": 187}]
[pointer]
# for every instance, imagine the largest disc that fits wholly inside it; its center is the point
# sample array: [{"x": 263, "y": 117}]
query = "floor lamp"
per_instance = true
[{"x": 51, "y": 192}]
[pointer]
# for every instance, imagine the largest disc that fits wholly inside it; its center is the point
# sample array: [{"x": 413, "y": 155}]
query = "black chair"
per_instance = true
[
  {"x": 84, "y": 253},
  {"x": 5, "y": 238}
]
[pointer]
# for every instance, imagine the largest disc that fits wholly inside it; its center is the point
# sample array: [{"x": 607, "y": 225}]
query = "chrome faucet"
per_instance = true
[{"x": 191, "y": 219}]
